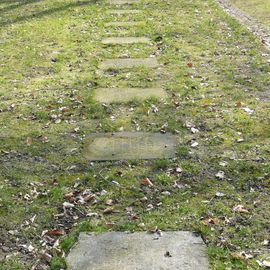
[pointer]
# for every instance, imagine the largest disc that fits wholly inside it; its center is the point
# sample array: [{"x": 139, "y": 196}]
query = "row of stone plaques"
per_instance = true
[
  {"x": 128, "y": 145},
  {"x": 141, "y": 251}
]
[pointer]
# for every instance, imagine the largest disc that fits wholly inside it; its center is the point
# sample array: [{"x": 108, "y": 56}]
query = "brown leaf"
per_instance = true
[
  {"x": 190, "y": 65},
  {"x": 70, "y": 197},
  {"x": 89, "y": 197},
  {"x": 135, "y": 217},
  {"x": 147, "y": 182},
  {"x": 49, "y": 239},
  {"x": 56, "y": 232},
  {"x": 238, "y": 104},
  {"x": 211, "y": 221},
  {"x": 46, "y": 256}
]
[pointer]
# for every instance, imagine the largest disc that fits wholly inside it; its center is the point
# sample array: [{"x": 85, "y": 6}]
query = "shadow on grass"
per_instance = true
[
  {"x": 44, "y": 12},
  {"x": 17, "y": 5},
  {"x": 9, "y": 1}
]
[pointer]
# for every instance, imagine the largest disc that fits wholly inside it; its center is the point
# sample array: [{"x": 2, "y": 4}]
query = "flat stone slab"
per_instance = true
[
  {"x": 128, "y": 63},
  {"x": 120, "y": 32},
  {"x": 125, "y": 40},
  {"x": 112, "y": 95},
  {"x": 123, "y": 24},
  {"x": 138, "y": 251},
  {"x": 129, "y": 145},
  {"x": 123, "y": 11},
  {"x": 124, "y": 2}
]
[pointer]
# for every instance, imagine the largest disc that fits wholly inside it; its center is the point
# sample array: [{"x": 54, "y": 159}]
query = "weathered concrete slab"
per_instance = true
[
  {"x": 124, "y": 2},
  {"x": 129, "y": 145},
  {"x": 119, "y": 32},
  {"x": 123, "y": 11},
  {"x": 112, "y": 95},
  {"x": 125, "y": 40},
  {"x": 124, "y": 24},
  {"x": 128, "y": 63},
  {"x": 138, "y": 251}
]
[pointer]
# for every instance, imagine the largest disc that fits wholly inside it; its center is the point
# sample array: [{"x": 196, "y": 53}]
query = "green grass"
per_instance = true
[
  {"x": 259, "y": 9},
  {"x": 50, "y": 51}
]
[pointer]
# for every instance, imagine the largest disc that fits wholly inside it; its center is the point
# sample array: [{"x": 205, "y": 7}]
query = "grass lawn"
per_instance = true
[
  {"x": 217, "y": 78},
  {"x": 259, "y": 9}
]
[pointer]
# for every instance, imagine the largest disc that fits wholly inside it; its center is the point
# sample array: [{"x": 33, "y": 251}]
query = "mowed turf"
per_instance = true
[
  {"x": 259, "y": 9},
  {"x": 216, "y": 75}
]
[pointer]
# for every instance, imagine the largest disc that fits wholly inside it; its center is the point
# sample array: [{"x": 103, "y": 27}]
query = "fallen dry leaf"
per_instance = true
[
  {"x": 237, "y": 255},
  {"x": 220, "y": 175},
  {"x": 223, "y": 163},
  {"x": 70, "y": 197},
  {"x": 240, "y": 209},
  {"x": 135, "y": 217},
  {"x": 67, "y": 205},
  {"x": 108, "y": 210},
  {"x": 29, "y": 141},
  {"x": 153, "y": 230},
  {"x": 56, "y": 232},
  {"x": 220, "y": 194},
  {"x": 147, "y": 182},
  {"x": 58, "y": 121},
  {"x": 144, "y": 199},
  {"x": 109, "y": 202},
  {"x": 238, "y": 104},
  {"x": 89, "y": 197},
  {"x": 46, "y": 256},
  {"x": 194, "y": 144},
  {"x": 211, "y": 221}
]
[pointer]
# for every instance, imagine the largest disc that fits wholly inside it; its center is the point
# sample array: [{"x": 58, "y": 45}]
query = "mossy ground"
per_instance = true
[{"x": 214, "y": 71}]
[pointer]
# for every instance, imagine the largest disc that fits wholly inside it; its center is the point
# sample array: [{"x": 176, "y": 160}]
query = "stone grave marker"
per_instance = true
[
  {"x": 129, "y": 145},
  {"x": 123, "y": 24},
  {"x": 128, "y": 63},
  {"x": 125, "y": 40},
  {"x": 112, "y": 95},
  {"x": 123, "y": 11},
  {"x": 179, "y": 250},
  {"x": 124, "y": 2}
]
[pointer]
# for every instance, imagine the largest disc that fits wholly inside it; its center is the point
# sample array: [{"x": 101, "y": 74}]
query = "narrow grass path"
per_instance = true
[{"x": 216, "y": 77}]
